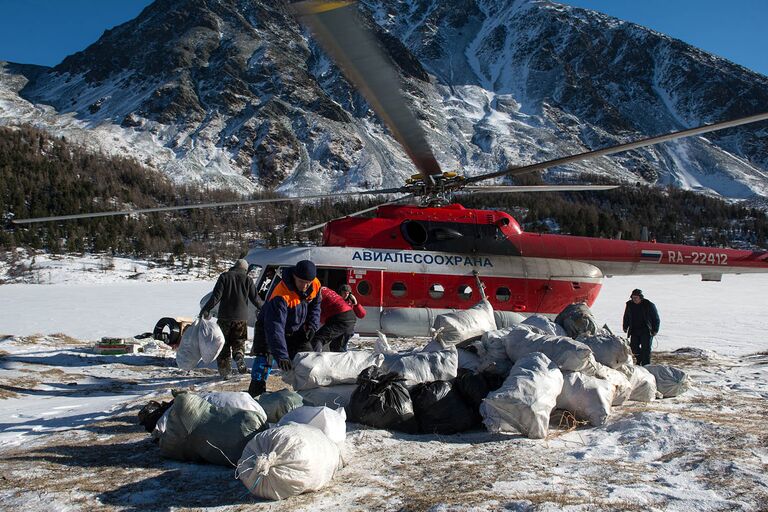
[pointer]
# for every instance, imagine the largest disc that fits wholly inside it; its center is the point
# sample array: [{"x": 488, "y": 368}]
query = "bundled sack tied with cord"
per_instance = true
[
  {"x": 609, "y": 349},
  {"x": 277, "y": 404},
  {"x": 198, "y": 431},
  {"x": 333, "y": 422},
  {"x": 329, "y": 396},
  {"x": 458, "y": 326},
  {"x": 424, "y": 366},
  {"x": 577, "y": 319},
  {"x": 211, "y": 340},
  {"x": 586, "y": 397},
  {"x": 188, "y": 354},
  {"x": 316, "y": 369},
  {"x": 569, "y": 354},
  {"x": 526, "y": 399},
  {"x": 642, "y": 381},
  {"x": 670, "y": 381},
  {"x": 287, "y": 461},
  {"x": 234, "y": 399}
]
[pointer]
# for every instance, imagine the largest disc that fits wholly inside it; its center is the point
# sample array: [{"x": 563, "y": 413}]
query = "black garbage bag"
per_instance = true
[
  {"x": 472, "y": 386},
  {"x": 382, "y": 401},
  {"x": 151, "y": 413},
  {"x": 440, "y": 409}
]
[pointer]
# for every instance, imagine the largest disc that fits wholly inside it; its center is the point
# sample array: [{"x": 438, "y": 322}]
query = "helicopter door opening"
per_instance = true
[{"x": 332, "y": 277}]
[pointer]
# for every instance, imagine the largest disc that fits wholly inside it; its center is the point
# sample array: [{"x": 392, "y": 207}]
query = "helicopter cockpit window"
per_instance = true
[
  {"x": 503, "y": 294},
  {"x": 398, "y": 289},
  {"x": 465, "y": 292},
  {"x": 363, "y": 287},
  {"x": 436, "y": 291}
]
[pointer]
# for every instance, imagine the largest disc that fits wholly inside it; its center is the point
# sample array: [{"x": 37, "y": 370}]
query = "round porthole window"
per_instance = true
[
  {"x": 398, "y": 289},
  {"x": 436, "y": 291},
  {"x": 363, "y": 287},
  {"x": 503, "y": 294},
  {"x": 465, "y": 292}
]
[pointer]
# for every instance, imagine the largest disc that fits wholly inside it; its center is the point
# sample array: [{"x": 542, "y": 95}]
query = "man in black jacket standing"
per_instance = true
[
  {"x": 233, "y": 289},
  {"x": 641, "y": 323}
]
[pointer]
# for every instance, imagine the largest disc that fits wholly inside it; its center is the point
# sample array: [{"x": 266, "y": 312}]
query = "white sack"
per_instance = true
[
  {"x": 669, "y": 381},
  {"x": 332, "y": 422},
  {"x": 237, "y": 399},
  {"x": 609, "y": 349},
  {"x": 418, "y": 367},
  {"x": 329, "y": 396},
  {"x": 465, "y": 325},
  {"x": 643, "y": 383},
  {"x": 211, "y": 340},
  {"x": 287, "y": 461},
  {"x": 621, "y": 386},
  {"x": 492, "y": 355},
  {"x": 567, "y": 353},
  {"x": 315, "y": 369},
  {"x": 545, "y": 325},
  {"x": 587, "y": 398},
  {"x": 468, "y": 360},
  {"x": 188, "y": 353},
  {"x": 526, "y": 399},
  {"x": 381, "y": 345}
]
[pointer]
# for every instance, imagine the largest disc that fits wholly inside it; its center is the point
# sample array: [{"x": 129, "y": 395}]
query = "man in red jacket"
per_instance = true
[{"x": 338, "y": 314}]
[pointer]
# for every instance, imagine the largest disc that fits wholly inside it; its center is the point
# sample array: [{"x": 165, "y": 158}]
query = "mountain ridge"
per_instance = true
[{"x": 231, "y": 93}]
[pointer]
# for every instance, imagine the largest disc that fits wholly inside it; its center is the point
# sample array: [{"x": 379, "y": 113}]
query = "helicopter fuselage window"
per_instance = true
[
  {"x": 503, "y": 294},
  {"x": 363, "y": 287},
  {"x": 398, "y": 289},
  {"x": 436, "y": 291},
  {"x": 465, "y": 292}
]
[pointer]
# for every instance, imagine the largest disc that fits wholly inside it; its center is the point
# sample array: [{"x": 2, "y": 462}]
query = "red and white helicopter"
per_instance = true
[{"x": 409, "y": 263}]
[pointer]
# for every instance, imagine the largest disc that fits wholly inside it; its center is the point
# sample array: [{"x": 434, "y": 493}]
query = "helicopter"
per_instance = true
[{"x": 411, "y": 262}]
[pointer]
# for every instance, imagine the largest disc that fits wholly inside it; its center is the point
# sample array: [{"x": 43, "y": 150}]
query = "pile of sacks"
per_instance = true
[
  {"x": 279, "y": 447},
  {"x": 510, "y": 379}
]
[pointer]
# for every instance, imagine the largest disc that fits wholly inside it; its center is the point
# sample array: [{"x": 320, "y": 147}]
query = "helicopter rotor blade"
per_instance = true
[
  {"x": 493, "y": 189},
  {"x": 338, "y": 28},
  {"x": 354, "y": 214},
  {"x": 199, "y": 206},
  {"x": 526, "y": 169}
]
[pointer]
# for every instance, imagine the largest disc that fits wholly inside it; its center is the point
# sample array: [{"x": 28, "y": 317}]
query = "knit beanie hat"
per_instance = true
[
  {"x": 638, "y": 292},
  {"x": 305, "y": 270}
]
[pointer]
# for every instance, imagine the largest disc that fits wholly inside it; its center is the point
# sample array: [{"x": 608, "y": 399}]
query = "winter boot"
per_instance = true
[
  {"x": 240, "y": 363},
  {"x": 257, "y": 387},
  {"x": 225, "y": 367}
]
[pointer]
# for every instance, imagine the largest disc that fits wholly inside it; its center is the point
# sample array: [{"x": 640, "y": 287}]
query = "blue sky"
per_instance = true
[{"x": 46, "y": 31}]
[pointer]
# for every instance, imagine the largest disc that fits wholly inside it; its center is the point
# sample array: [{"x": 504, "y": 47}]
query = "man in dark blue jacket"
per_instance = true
[
  {"x": 232, "y": 292},
  {"x": 641, "y": 323},
  {"x": 286, "y": 324}
]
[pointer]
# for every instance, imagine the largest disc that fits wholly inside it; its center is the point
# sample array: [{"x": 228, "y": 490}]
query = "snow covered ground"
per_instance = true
[{"x": 69, "y": 438}]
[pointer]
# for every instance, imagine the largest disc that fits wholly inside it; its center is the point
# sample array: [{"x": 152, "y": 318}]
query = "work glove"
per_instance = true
[
  {"x": 309, "y": 333},
  {"x": 285, "y": 365}
]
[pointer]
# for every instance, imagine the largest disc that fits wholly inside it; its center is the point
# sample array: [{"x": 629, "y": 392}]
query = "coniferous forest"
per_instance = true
[{"x": 41, "y": 175}]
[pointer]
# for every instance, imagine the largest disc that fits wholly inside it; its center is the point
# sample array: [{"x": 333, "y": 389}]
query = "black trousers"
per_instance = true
[
  {"x": 296, "y": 342},
  {"x": 334, "y": 335},
  {"x": 640, "y": 343}
]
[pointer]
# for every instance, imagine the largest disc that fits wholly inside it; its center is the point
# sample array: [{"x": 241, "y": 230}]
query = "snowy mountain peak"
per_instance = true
[{"x": 232, "y": 93}]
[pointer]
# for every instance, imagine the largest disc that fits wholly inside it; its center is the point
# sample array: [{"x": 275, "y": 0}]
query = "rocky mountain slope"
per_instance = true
[{"x": 232, "y": 93}]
